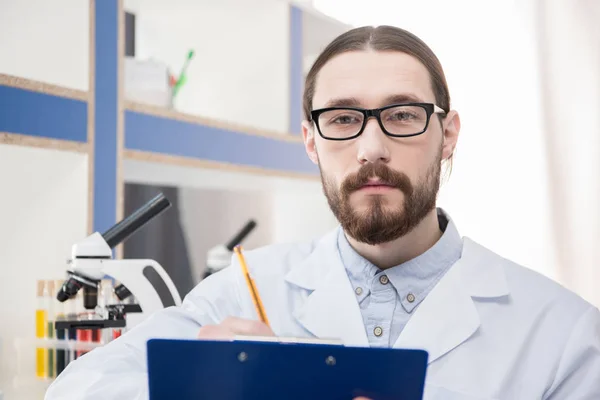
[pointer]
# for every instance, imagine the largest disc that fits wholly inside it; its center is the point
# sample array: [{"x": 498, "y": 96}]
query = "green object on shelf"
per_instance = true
[{"x": 182, "y": 75}]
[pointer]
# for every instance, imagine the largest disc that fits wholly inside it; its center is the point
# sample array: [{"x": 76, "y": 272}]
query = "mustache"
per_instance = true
[{"x": 382, "y": 172}]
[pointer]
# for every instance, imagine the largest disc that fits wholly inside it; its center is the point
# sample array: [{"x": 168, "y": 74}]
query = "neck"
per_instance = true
[{"x": 407, "y": 247}]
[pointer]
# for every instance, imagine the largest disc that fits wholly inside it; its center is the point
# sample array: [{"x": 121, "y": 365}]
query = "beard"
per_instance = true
[{"x": 381, "y": 222}]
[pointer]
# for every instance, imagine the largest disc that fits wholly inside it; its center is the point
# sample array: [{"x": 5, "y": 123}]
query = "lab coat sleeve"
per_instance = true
[
  {"x": 118, "y": 369},
  {"x": 578, "y": 374}
]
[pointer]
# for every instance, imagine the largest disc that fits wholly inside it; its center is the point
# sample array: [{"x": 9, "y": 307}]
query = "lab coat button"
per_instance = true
[
  {"x": 383, "y": 279},
  {"x": 358, "y": 291},
  {"x": 378, "y": 331},
  {"x": 410, "y": 297}
]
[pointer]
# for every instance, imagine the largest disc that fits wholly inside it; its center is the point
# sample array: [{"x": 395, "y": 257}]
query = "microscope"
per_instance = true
[
  {"x": 219, "y": 257},
  {"x": 92, "y": 261}
]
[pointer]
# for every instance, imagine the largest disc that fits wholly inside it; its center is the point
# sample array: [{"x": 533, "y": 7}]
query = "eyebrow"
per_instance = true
[
  {"x": 403, "y": 98},
  {"x": 393, "y": 99}
]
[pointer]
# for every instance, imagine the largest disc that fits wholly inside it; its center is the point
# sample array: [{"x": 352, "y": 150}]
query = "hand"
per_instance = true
[{"x": 233, "y": 326}]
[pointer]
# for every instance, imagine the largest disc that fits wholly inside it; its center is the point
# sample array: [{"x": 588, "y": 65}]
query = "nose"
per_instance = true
[{"x": 373, "y": 144}]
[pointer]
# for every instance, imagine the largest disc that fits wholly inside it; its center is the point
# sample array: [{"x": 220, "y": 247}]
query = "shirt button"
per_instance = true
[
  {"x": 378, "y": 331},
  {"x": 410, "y": 298},
  {"x": 383, "y": 279},
  {"x": 358, "y": 290}
]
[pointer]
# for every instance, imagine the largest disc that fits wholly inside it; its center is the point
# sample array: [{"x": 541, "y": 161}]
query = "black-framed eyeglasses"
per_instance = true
[{"x": 397, "y": 120}]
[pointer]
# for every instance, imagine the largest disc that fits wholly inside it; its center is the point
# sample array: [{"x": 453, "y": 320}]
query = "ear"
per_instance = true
[
  {"x": 451, "y": 129},
  {"x": 308, "y": 133}
]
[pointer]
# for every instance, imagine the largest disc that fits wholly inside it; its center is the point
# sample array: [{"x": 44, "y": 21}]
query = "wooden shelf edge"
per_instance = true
[
  {"x": 208, "y": 164},
  {"x": 45, "y": 143},
  {"x": 193, "y": 119},
  {"x": 41, "y": 87}
]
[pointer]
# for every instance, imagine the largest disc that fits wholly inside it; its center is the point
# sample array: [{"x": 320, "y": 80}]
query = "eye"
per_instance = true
[
  {"x": 345, "y": 119},
  {"x": 402, "y": 116}
]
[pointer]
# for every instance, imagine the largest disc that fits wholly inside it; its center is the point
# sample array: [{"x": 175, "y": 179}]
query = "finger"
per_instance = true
[
  {"x": 248, "y": 327},
  {"x": 215, "y": 332}
]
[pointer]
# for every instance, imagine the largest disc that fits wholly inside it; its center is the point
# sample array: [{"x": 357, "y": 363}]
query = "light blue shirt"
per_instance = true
[{"x": 388, "y": 298}]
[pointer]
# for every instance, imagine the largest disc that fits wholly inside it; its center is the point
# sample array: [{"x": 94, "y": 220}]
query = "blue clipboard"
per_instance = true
[{"x": 236, "y": 370}]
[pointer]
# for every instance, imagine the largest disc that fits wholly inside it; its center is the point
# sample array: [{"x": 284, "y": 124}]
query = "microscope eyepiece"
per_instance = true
[
  {"x": 73, "y": 285},
  {"x": 68, "y": 290}
]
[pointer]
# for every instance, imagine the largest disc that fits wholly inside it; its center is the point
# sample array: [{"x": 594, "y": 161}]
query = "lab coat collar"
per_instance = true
[
  {"x": 443, "y": 321},
  {"x": 331, "y": 310},
  {"x": 481, "y": 271},
  {"x": 448, "y": 316}
]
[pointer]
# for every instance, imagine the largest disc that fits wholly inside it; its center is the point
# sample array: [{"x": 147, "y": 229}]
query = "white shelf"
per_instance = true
[{"x": 59, "y": 344}]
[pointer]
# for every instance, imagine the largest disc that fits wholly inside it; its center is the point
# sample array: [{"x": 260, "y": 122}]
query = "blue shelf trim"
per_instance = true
[
  {"x": 150, "y": 133},
  {"x": 105, "y": 124},
  {"x": 42, "y": 115}
]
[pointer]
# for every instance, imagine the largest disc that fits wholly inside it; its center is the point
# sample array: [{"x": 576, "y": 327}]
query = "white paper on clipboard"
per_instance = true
[{"x": 292, "y": 340}]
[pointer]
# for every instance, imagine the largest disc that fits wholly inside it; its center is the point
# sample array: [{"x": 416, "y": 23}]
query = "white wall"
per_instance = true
[
  {"x": 317, "y": 31},
  {"x": 43, "y": 211},
  {"x": 46, "y": 41},
  {"x": 498, "y": 192},
  {"x": 571, "y": 91},
  {"x": 241, "y": 65},
  {"x": 300, "y": 216}
]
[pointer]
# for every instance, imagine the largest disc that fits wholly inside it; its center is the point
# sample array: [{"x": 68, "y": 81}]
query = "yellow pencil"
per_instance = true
[{"x": 260, "y": 310}]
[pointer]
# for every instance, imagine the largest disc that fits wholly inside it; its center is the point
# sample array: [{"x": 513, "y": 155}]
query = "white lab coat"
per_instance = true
[{"x": 493, "y": 329}]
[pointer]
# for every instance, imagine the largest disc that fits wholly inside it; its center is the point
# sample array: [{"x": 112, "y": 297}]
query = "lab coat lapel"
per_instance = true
[
  {"x": 445, "y": 319},
  {"x": 331, "y": 310},
  {"x": 448, "y": 316}
]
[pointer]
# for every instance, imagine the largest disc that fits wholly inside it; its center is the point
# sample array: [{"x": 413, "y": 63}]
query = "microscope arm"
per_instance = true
[{"x": 147, "y": 280}]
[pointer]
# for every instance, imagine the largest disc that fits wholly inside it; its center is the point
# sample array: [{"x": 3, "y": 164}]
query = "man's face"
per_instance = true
[{"x": 379, "y": 187}]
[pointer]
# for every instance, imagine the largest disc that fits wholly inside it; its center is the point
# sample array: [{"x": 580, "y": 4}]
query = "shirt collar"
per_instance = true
[{"x": 426, "y": 267}]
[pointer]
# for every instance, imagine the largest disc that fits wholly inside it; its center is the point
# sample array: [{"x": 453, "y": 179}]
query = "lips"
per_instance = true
[
  {"x": 376, "y": 184},
  {"x": 376, "y": 178}
]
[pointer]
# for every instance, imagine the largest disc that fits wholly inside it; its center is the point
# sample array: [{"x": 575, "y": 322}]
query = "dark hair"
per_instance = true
[{"x": 381, "y": 38}]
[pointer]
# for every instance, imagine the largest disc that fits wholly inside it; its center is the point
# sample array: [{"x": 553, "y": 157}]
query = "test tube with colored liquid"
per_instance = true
[
  {"x": 116, "y": 332},
  {"x": 104, "y": 300},
  {"x": 83, "y": 335},
  {"x": 71, "y": 332},
  {"x": 41, "y": 312},
  {"x": 61, "y": 335},
  {"x": 51, "y": 352}
]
